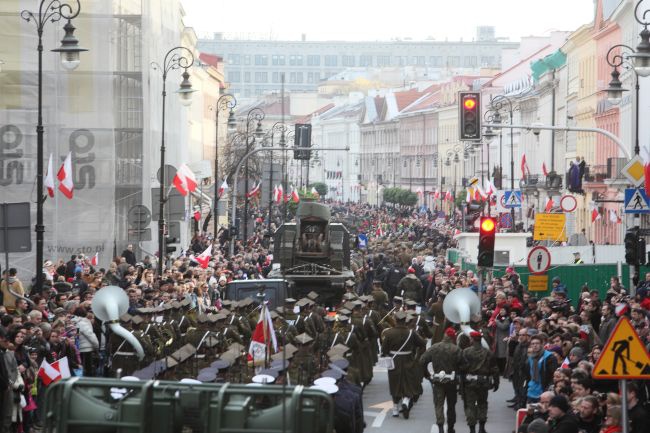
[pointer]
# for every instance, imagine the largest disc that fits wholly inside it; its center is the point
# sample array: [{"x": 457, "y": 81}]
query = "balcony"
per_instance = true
[{"x": 596, "y": 173}]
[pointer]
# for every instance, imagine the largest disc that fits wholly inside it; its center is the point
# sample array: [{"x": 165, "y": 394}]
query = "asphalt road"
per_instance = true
[{"x": 378, "y": 415}]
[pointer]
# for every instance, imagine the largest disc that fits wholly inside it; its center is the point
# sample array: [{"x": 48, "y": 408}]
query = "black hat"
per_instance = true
[{"x": 560, "y": 402}]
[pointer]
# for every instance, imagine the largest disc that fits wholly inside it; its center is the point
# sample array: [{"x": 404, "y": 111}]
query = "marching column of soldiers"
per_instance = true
[{"x": 332, "y": 349}]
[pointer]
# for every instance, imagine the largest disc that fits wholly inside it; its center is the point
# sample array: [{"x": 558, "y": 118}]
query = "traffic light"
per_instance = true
[
  {"x": 472, "y": 212},
  {"x": 486, "y": 239},
  {"x": 632, "y": 247},
  {"x": 469, "y": 115},
  {"x": 233, "y": 232},
  {"x": 168, "y": 247},
  {"x": 640, "y": 247},
  {"x": 302, "y": 138}
]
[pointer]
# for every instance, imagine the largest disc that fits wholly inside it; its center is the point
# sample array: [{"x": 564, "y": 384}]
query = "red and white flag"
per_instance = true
[
  {"x": 613, "y": 217},
  {"x": 223, "y": 188},
  {"x": 595, "y": 215},
  {"x": 489, "y": 188},
  {"x": 184, "y": 180},
  {"x": 49, "y": 177},
  {"x": 314, "y": 192},
  {"x": 379, "y": 232},
  {"x": 197, "y": 215},
  {"x": 565, "y": 363},
  {"x": 524, "y": 167},
  {"x": 436, "y": 195},
  {"x": 448, "y": 196},
  {"x": 204, "y": 258},
  {"x": 279, "y": 194},
  {"x": 95, "y": 260},
  {"x": 50, "y": 373},
  {"x": 549, "y": 205},
  {"x": 294, "y": 195},
  {"x": 544, "y": 170},
  {"x": 263, "y": 337},
  {"x": 66, "y": 186},
  {"x": 255, "y": 191}
]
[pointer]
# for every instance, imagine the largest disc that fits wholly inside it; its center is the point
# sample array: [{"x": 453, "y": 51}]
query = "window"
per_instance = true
[
  {"x": 313, "y": 77},
  {"x": 331, "y": 60},
  {"x": 435, "y": 61},
  {"x": 261, "y": 77},
  {"x": 469, "y": 62},
  {"x": 383, "y": 60},
  {"x": 298, "y": 77},
  {"x": 261, "y": 59},
  {"x": 313, "y": 60},
  {"x": 247, "y": 59},
  {"x": 401, "y": 60},
  {"x": 453, "y": 61},
  {"x": 247, "y": 77},
  {"x": 365, "y": 60},
  {"x": 418, "y": 60},
  {"x": 276, "y": 77},
  {"x": 278, "y": 60},
  {"x": 295, "y": 60},
  {"x": 234, "y": 76},
  {"x": 347, "y": 60},
  {"x": 487, "y": 61},
  {"x": 234, "y": 59}
]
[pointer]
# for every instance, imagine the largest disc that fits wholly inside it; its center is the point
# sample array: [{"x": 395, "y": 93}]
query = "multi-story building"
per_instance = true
[{"x": 254, "y": 67}]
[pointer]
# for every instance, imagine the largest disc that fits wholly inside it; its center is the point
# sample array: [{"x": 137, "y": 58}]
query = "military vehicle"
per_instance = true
[
  {"x": 313, "y": 253},
  {"x": 94, "y": 405}
]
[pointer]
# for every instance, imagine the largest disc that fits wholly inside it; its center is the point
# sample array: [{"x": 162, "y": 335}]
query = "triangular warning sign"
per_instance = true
[
  {"x": 513, "y": 200},
  {"x": 624, "y": 355},
  {"x": 637, "y": 202}
]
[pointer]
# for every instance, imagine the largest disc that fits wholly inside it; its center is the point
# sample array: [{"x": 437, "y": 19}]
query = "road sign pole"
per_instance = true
[
  {"x": 624, "y": 417},
  {"x": 634, "y": 270}
]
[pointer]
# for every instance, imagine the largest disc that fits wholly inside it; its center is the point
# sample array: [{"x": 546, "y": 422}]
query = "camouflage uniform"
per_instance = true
[
  {"x": 443, "y": 356},
  {"x": 478, "y": 361}
]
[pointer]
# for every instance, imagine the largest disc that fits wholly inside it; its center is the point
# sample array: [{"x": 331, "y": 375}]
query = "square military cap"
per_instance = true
[
  {"x": 126, "y": 317},
  {"x": 312, "y": 295},
  {"x": 210, "y": 340},
  {"x": 400, "y": 315},
  {"x": 144, "y": 310},
  {"x": 225, "y": 311},
  {"x": 356, "y": 304},
  {"x": 246, "y": 302},
  {"x": 282, "y": 355},
  {"x": 344, "y": 311},
  {"x": 226, "y": 302},
  {"x": 207, "y": 376},
  {"x": 229, "y": 357},
  {"x": 335, "y": 356},
  {"x": 304, "y": 339},
  {"x": 339, "y": 349},
  {"x": 220, "y": 364},
  {"x": 289, "y": 301},
  {"x": 349, "y": 283},
  {"x": 186, "y": 352},
  {"x": 236, "y": 347},
  {"x": 274, "y": 315},
  {"x": 349, "y": 296},
  {"x": 136, "y": 320},
  {"x": 349, "y": 306},
  {"x": 290, "y": 348},
  {"x": 202, "y": 318},
  {"x": 280, "y": 310},
  {"x": 213, "y": 318}
]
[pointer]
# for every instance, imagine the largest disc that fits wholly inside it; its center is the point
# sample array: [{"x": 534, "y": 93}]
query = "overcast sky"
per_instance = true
[{"x": 384, "y": 20}]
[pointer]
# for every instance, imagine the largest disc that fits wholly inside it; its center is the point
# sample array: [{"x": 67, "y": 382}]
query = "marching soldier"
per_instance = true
[
  {"x": 379, "y": 296},
  {"x": 410, "y": 287},
  {"x": 444, "y": 358},
  {"x": 365, "y": 332},
  {"x": 480, "y": 373},
  {"x": 400, "y": 344}
]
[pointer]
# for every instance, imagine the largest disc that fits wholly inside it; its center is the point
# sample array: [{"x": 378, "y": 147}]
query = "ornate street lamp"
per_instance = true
[{"x": 226, "y": 102}]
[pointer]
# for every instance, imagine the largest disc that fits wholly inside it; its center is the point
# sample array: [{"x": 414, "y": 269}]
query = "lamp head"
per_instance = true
[
  {"x": 69, "y": 48},
  {"x": 185, "y": 90},
  {"x": 641, "y": 57},
  {"x": 232, "y": 122}
]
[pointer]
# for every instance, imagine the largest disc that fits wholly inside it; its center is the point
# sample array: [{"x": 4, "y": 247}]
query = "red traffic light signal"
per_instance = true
[
  {"x": 487, "y": 225},
  {"x": 486, "y": 241},
  {"x": 469, "y": 105}
]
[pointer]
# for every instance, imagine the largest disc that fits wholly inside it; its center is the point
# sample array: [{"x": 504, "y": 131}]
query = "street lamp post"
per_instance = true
[
  {"x": 497, "y": 104},
  {"x": 49, "y": 11},
  {"x": 225, "y": 102},
  {"x": 282, "y": 129},
  {"x": 176, "y": 58},
  {"x": 255, "y": 114}
]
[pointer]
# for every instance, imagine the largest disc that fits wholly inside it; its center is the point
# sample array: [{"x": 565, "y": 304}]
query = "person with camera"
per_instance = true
[{"x": 536, "y": 411}]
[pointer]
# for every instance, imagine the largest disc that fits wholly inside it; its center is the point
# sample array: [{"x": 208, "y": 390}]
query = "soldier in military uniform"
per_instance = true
[
  {"x": 410, "y": 287},
  {"x": 345, "y": 335},
  {"x": 480, "y": 373},
  {"x": 379, "y": 296},
  {"x": 400, "y": 343},
  {"x": 366, "y": 332},
  {"x": 438, "y": 318},
  {"x": 444, "y": 358},
  {"x": 302, "y": 368}
]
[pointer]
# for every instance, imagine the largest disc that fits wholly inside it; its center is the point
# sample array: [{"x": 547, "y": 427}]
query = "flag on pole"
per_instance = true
[
  {"x": 549, "y": 205},
  {"x": 613, "y": 217},
  {"x": 489, "y": 187},
  {"x": 448, "y": 196},
  {"x": 565, "y": 363},
  {"x": 544, "y": 171},
  {"x": 223, "y": 187},
  {"x": 50, "y": 373},
  {"x": 49, "y": 178},
  {"x": 279, "y": 194},
  {"x": 95, "y": 260},
  {"x": 66, "y": 186},
  {"x": 294, "y": 195},
  {"x": 184, "y": 180},
  {"x": 255, "y": 191},
  {"x": 469, "y": 195},
  {"x": 197, "y": 215},
  {"x": 595, "y": 215},
  {"x": 263, "y": 337},
  {"x": 204, "y": 258},
  {"x": 524, "y": 167}
]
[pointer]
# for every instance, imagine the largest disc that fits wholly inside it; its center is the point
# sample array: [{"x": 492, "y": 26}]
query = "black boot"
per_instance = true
[
  {"x": 450, "y": 428},
  {"x": 481, "y": 427},
  {"x": 472, "y": 429},
  {"x": 441, "y": 428}
]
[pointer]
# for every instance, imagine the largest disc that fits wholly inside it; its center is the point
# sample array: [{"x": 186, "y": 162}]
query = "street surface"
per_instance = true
[{"x": 377, "y": 409}]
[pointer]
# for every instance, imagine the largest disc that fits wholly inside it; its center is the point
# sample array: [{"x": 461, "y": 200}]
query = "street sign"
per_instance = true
[
  {"x": 538, "y": 283},
  {"x": 634, "y": 172},
  {"x": 550, "y": 227},
  {"x": 568, "y": 203},
  {"x": 624, "y": 355},
  {"x": 539, "y": 260},
  {"x": 363, "y": 241},
  {"x": 505, "y": 220},
  {"x": 15, "y": 228},
  {"x": 501, "y": 202},
  {"x": 636, "y": 201},
  {"x": 512, "y": 199}
]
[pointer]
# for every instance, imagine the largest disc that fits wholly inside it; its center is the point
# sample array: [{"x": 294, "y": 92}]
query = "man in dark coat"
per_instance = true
[
  {"x": 559, "y": 416},
  {"x": 129, "y": 255}
]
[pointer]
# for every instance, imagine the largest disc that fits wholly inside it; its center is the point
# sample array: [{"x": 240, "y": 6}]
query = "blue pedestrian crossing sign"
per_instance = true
[
  {"x": 636, "y": 201},
  {"x": 512, "y": 199},
  {"x": 363, "y": 241}
]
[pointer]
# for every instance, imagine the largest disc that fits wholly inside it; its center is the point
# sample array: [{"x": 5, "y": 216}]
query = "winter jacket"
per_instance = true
[
  {"x": 13, "y": 283},
  {"x": 87, "y": 339}
]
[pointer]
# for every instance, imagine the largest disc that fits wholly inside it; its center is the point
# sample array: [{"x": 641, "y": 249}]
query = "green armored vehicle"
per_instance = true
[{"x": 313, "y": 253}]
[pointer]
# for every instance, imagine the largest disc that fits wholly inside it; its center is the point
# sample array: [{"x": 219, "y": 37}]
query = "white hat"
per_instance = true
[
  {"x": 327, "y": 388},
  {"x": 263, "y": 378},
  {"x": 325, "y": 381},
  {"x": 191, "y": 381}
]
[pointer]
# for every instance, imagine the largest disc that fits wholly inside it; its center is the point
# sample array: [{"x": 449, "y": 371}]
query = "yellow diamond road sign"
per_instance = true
[
  {"x": 633, "y": 171},
  {"x": 624, "y": 355}
]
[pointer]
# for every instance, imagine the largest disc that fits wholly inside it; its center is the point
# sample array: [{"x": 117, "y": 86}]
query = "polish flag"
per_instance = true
[
  {"x": 595, "y": 215},
  {"x": 294, "y": 195},
  {"x": 204, "y": 258},
  {"x": 613, "y": 217},
  {"x": 49, "y": 177},
  {"x": 436, "y": 194},
  {"x": 95, "y": 260},
  {"x": 65, "y": 177},
  {"x": 50, "y": 373},
  {"x": 314, "y": 192},
  {"x": 489, "y": 187},
  {"x": 223, "y": 188},
  {"x": 448, "y": 196},
  {"x": 549, "y": 205},
  {"x": 197, "y": 215},
  {"x": 263, "y": 337},
  {"x": 544, "y": 171},
  {"x": 524, "y": 167},
  {"x": 565, "y": 363},
  {"x": 184, "y": 180},
  {"x": 279, "y": 193},
  {"x": 469, "y": 195},
  {"x": 253, "y": 192}
]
